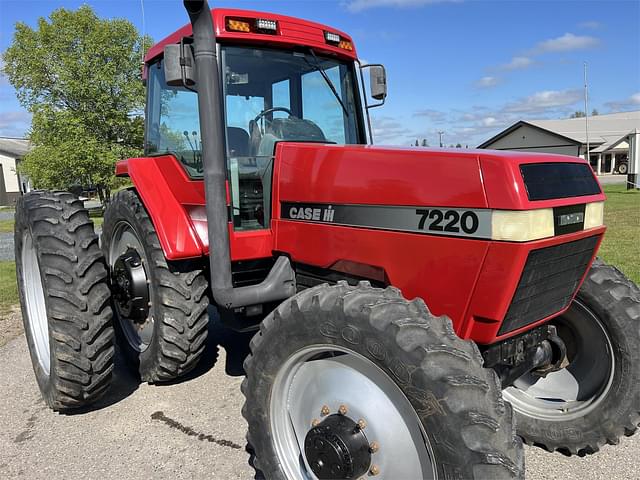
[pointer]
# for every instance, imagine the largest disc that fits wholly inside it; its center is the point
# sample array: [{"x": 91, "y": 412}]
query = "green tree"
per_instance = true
[
  {"x": 577, "y": 114},
  {"x": 80, "y": 77}
]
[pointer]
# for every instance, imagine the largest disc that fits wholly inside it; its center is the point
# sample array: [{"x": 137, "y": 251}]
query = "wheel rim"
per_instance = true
[
  {"x": 582, "y": 384},
  {"x": 34, "y": 303},
  {"x": 131, "y": 289},
  {"x": 323, "y": 376}
]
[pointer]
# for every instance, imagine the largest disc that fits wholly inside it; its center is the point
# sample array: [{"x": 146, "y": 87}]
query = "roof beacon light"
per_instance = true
[
  {"x": 331, "y": 37},
  {"x": 267, "y": 25}
]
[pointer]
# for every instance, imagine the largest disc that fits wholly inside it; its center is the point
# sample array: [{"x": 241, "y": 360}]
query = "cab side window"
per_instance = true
[{"x": 173, "y": 125}]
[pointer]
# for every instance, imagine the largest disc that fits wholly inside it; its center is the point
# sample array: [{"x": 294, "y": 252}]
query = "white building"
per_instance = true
[
  {"x": 11, "y": 182},
  {"x": 608, "y": 139}
]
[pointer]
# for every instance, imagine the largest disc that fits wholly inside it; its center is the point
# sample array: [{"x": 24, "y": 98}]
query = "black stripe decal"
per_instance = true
[{"x": 457, "y": 222}]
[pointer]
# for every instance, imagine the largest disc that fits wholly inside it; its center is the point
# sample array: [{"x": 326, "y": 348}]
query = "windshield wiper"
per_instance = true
[{"x": 326, "y": 79}]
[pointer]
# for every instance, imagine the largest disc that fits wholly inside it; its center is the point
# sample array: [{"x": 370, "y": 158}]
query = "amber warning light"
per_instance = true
[
  {"x": 335, "y": 39},
  {"x": 247, "y": 25}
]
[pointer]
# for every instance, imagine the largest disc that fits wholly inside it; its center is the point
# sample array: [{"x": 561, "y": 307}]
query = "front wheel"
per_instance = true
[
  {"x": 348, "y": 382},
  {"x": 594, "y": 399}
]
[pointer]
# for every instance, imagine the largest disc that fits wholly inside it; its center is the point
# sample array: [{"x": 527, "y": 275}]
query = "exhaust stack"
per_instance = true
[{"x": 280, "y": 283}]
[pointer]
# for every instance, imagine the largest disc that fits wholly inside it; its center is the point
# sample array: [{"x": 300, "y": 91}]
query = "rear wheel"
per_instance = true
[
  {"x": 65, "y": 299},
  {"x": 345, "y": 382},
  {"x": 160, "y": 306},
  {"x": 594, "y": 399}
]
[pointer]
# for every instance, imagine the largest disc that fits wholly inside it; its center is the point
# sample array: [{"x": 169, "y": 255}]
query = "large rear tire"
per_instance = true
[
  {"x": 595, "y": 398},
  {"x": 347, "y": 380},
  {"x": 160, "y": 306},
  {"x": 65, "y": 299}
]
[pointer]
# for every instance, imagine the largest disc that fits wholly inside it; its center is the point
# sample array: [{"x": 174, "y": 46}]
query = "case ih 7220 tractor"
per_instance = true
[{"x": 417, "y": 312}]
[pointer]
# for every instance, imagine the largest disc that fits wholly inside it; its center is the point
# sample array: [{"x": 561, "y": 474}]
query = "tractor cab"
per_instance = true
[{"x": 271, "y": 92}]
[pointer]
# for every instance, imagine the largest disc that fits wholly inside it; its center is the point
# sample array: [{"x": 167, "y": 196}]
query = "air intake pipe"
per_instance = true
[{"x": 280, "y": 283}]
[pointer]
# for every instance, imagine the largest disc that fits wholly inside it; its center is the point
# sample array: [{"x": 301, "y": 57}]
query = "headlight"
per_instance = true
[
  {"x": 522, "y": 225},
  {"x": 594, "y": 215}
]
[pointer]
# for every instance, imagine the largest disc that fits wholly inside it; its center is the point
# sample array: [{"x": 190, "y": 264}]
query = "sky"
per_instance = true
[{"x": 468, "y": 68}]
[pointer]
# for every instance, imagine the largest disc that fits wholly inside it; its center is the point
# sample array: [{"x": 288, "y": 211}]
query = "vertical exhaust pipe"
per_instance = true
[{"x": 280, "y": 283}]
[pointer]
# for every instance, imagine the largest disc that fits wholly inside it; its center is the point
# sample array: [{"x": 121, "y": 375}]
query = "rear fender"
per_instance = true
[{"x": 174, "y": 202}]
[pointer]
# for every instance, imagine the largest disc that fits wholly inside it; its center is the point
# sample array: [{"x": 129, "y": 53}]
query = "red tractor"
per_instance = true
[{"x": 412, "y": 320}]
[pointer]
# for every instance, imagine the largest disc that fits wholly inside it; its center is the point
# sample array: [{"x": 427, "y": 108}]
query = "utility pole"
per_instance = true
[
  {"x": 586, "y": 114},
  {"x": 441, "y": 134}
]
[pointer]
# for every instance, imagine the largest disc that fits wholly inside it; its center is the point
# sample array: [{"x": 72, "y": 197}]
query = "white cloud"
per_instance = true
[
  {"x": 517, "y": 63},
  {"x": 591, "y": 25},
  {"x": 387, "y": 130},
  {"x": 360, "y": 5},
  {"x": 487, "y": 82},
  {"x": 433, "y": 115},
  {"x": 488, "y": 121},
  {"x": 566, "y": 43},
  {"x": 545, "y": 100},
  {"x": 14, "y": 123},
  {"x": 633, "y": 102}
]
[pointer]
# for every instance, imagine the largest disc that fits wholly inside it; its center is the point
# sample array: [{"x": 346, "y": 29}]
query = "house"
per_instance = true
[
  {"x": 608, "y": 139},
  {"x": 11, "y": 182}
]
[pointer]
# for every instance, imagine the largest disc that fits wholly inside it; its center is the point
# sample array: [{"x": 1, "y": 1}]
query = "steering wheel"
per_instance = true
[{"x": 271, "y": 110}]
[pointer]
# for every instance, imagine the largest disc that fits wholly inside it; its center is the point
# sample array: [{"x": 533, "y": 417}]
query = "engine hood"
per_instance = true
[{"x": 397, "y": 176}]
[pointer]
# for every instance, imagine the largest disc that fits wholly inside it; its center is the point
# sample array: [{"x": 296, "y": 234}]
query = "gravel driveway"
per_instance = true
[{"x": 190, "y": 430}]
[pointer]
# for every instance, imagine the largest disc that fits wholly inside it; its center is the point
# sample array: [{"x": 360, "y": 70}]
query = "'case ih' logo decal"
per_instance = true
[{"x": 458, "y": 222}]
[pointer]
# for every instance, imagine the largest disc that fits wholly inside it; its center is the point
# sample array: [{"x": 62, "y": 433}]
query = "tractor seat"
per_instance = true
[{"x": 238, "y": 141}]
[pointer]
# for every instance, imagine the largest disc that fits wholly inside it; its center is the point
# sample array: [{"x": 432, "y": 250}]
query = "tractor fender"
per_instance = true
[{"x": 171, "y": 199}]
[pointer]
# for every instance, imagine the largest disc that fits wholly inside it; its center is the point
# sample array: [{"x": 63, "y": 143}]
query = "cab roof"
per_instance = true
[{"x": 291, "y": 32}]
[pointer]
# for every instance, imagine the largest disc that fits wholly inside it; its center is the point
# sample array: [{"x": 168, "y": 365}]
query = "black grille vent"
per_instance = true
[
  {"x": 545, "y": 181},
  {"x": 548, "y": 282}
]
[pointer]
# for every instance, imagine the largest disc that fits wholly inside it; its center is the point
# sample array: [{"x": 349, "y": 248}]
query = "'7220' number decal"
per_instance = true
[{"x": 451, "y": 221}]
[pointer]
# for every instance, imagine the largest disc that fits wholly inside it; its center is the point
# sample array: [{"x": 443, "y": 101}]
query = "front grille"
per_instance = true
[
  {"x": 550, "y": 278},
  {"x": 545, "y": 181}
]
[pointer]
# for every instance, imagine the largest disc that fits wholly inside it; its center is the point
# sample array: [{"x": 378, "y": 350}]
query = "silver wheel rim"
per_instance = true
[
  {"x": 35, "y": 304},
  {"x": 328, "y": 375},
  {"x": 581, "y": 386},
  {"x": 124, "y": 237}
]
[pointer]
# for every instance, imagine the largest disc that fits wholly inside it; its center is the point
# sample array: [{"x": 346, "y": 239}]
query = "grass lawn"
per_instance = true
[
  {"x": 6, "y": 226},
  {"x": 8, "y": 287},
  {"x": 621, "y": 244}
]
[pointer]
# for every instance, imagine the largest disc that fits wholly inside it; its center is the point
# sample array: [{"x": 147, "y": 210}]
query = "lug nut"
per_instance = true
[
  {"x": 342, "y": 410},
  {"x": 362, "y": 424},
  {"x": 325, "y": 410},
  {"x": 374, "y": 470},
  {"x": 374, "y": 447},
  {"x": 315, "y": 422}
]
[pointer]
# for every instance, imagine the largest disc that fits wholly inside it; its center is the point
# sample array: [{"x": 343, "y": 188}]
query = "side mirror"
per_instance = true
[
  {"x": 378, "y": 82},
  {"x": 179, "y": 65}
]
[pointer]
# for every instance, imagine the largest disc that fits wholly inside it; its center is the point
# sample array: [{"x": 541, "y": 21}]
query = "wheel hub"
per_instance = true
[
  {"x": 337, "y": 448},
  {"x": 129, "y": 283}
]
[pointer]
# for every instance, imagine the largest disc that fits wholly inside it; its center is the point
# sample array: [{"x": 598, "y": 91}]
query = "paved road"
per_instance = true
[{"x": 189, "y": 430}]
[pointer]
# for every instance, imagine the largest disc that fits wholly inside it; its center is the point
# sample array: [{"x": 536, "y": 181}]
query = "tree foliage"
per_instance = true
[{"x": 80, "y": 77}]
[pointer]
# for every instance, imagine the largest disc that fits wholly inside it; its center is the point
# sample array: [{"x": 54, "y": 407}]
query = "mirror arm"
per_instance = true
[{"x": 366, "y": 101}]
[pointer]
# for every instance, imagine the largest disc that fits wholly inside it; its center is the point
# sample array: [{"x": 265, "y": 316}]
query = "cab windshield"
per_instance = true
[{"x": 274, "y": 95}]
